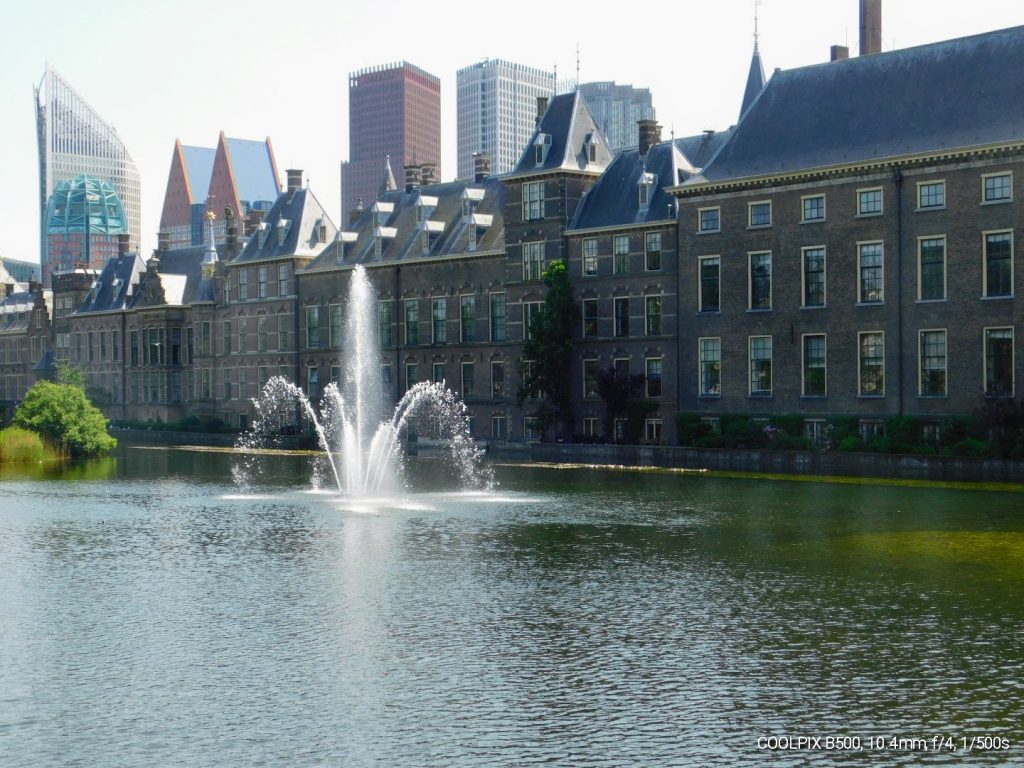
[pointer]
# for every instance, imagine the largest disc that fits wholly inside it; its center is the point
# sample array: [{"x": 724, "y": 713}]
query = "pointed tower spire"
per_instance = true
[
  {"x": 755, "y": 77},
  {"x": 387, "y": 184},
  {"x": 210, "y": 254}
]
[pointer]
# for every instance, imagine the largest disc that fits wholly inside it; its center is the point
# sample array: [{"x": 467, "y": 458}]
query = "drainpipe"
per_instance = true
[
  {"x": 897, "y": 180},
  {"x": 398, "y": 333}
]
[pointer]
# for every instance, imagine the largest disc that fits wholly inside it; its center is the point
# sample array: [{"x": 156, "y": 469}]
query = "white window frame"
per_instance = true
[
  {"x": 589, "y": 361},
  {"x": 584, "y": 303},
  {"x": 750, "y": 281},
  {"x": 700, "y": 220},
  {"x": 984, "y": 360},
  {"x": 647, "y": 378},
  {"x": 984, "y": 262},
  {"x": 803, "y": 209},
  {"x": 700, "y": 283},
  {"x": 803, "y": 277},
  {"x": 533, "y": 206},
  {"x": 803, "y": 365},
  {"x": 750, "y": 366},
  {"x": 860, "y": 365},
  {"x": 750, "y": 214},
  {"x": 931, "y": 183},
  {"x": 531, "y": 250},
  {"x": 920, "y": 361},
  {"x": 997, "y": 200},
  {"x": 860, "y": 285},
  {"x": 701, "y": 392},
  {"x": 588, "y": 254},
  {"x": 881, "y": 202},
  {"x": 945, "y": 268}
]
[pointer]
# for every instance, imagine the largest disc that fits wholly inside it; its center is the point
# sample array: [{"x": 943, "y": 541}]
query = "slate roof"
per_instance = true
[
  {"x": 115, "y": 285},
  {"x": 181, "y": 275},
  {"x": 16, "y": 312},
  {"x": 302, "y": 212},
  {"x": 755, "y": 81},
  {"x": 253, "y": 169},
  {"x": 199, "y": 168},
  {"x": 942, "y": 96},
  {"x": 452, "y": 235},
  {"x": 569, "y": 123}
]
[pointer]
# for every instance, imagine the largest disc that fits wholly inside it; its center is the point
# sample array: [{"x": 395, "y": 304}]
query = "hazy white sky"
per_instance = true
[{"x": 188, "y": 69}]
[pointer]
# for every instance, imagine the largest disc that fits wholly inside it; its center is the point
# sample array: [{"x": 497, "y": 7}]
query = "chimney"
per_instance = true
[
  {"x": 481, "y": 166},
  {"x": 294, "y": 179},
  {"x": 122, "y": 246},
  {"x": 428, "y": 173},
  {"x": 870, "y": 27},
  {"x": 838, "y": 53},
  {"x": 412, "y": 177},
  {"x": 542, "y": 107},
  {"x": 649, "y": 132},
  {"x": 163, "y": 241}
]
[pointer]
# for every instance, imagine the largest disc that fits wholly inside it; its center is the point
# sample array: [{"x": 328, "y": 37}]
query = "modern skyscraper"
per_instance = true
[
  {"x": 74, "y": 140},
  {"x": 83, "y": 221},
  {"x": 497, "y": 109},
  {"x": 394, "y": 110},
  {"x": 616, "y": 109}
]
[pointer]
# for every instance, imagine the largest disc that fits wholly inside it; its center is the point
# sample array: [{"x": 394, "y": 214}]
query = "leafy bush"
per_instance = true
[
  {"x": 62, "y": 414},
  {"x": 970, "y": 446},
  {"x": 691, "y": 429},
  {"x": 852, "y": 443},
  {"x": 19, "y": 445}
]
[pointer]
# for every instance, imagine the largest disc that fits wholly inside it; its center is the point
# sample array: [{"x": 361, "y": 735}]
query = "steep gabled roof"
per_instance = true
[
  {"x": 943, "y": 96},
  {"x": 569, "y": 127},
  {"x": 198, "y": 165},
  {"x": 115, "y": 286},
  {"x": 300, "y": 213},
  {"x": 181, "y": 276},
  {"x": 755, "y": 81},
  {"x": 255, "y": 171},
  {"x": 445, "y": 220}
]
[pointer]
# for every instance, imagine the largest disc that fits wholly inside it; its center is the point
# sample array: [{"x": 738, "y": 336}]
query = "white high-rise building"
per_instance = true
[
  {"x": 74, "y": 140},
  {"x": 497, "y": 111},
  {"x": 616, "y": 110}
]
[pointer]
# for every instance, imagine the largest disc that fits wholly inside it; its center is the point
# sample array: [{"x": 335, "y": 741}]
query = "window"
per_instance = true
[
  {"x": 760, "y": 365},
  {"x": 312, "y": 382},
  {"x": 709, "y": 219},
  {"x": 499, "y": 327},
  {"x": 869, "y": 273},
  {"x": 312, "y": 329},
  {"x": 997, "y": 188},
  {"x": 869, "y": 202},
  {"x": 933, "y": 363},
  {"x": 243, "y": 285},
  {"x": 590, "y": 378},
  {"x": 283, "y": 319},
  {"x": 261, "y": 333},
  {"x": 998, "y": 275},
  {"x": 643, "y": 194},
  {"x": 439, "y": 315},
  {"x": 385, "y": 322},
  {"x": 90, "y": 347},
  {"x": 282, "y": 280},
  {"x": 228, "y": 333},
  {"x": 531, "y": 428},
  {"x": 468, "y": 385},
  {"x": 467, "y": 318},
  {"x": 497, "y": 379},
  {"x": 410, "y": 376},
  {"x": 931, "y": 194},
  {"x": 412, "y": 322},
  {"x": 759, "y": 214},
  {"x": 336, "y": 331},
  {"x": 999, "y": 362},
  {"x": 205, "y": 338},
  {"x": 591, "y": 426},
  {"x": 760, "y": 280},
  {"x": 620, "y": 250},
  {"x": 652, "y": 430},
  {"x": 620, "y": 429},
  {"x": 437, "y": 372},
  {"x": 385, "y": 381},
  {"x": 589, "y": 317},
  {"x": 533, "y": 260},
  {"x": 814, "y": 431},
  {"x": 652, "y": 251},
  {"x": 590, "y": 256},
  {"x": 262, "y": 282},
  {"x": 869, "y": 429},
  {"x": 653, "y": 315},
  {"x": 533, "y": 200},
  {"x": 530, "y": 310},
  {"x": 243, "y": 329},
  {"x": 814, "y": 277},
  {"x": 499, "y": 428},
  {"x": 622, "y": 316},
  {"x": 814, "y": 365},
  {"x": 931, "y": 274},
  {"x": 653, "y": 368},
  {"x": 871, "y": 352},
  {"x": 812, "y": 208},
  {"x": 227, "y": 384},
  {"x": 710, "y": 354},
  {"x": 710, "y": 284},
  {"x": 263, "y": 376},
  {"x": 115, "y": 344}
]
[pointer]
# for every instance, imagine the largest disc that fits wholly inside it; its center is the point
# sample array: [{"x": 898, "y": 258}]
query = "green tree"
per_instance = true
[
  {"x": 618, "y": 390},
  {"x": 70, "y": 375},
  {"x": 549, "y": 349},
  {"x": 62, "y": 414}
]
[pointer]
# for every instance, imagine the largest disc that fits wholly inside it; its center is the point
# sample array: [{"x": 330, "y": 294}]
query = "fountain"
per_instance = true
[{"x": 362, "y": 453}]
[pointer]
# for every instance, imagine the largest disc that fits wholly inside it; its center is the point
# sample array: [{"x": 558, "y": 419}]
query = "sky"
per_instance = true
[{"x": 160, "y": 71}]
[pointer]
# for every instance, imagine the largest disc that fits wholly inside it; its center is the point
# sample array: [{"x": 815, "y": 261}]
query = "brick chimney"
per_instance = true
[
  {"x": 870, "y": 27},
  {"x": 838, "y": 53},
  {"x": 122, "y": 246},
  {"x": 648, "y": 133},
  {"x": 481, "y": 166},
  {"x": 428, "y": 173},
  {"x": 294, "y": 179},
  {"x": 412, "y": 177},
  {"x": 163, "y": 241}
]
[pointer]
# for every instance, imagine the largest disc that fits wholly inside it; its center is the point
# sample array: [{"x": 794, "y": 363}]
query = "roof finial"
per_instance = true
[
  {"x": 757, "y": 4},
  {"x": 577, "y": 65}
]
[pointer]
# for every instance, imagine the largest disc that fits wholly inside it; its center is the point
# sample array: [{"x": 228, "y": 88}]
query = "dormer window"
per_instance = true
[
  {"x": 472, "y": 236},
  {"x": 343, "y": 239},
  {"x": 425, "y": 205},
  {"x": 282, "y": 230},
  {"x": 261, "y": 234},
  {"x": 471, "y": 197},
  {"x": 321, "y": 231},
  {"x": 541, "y": 145},
  {"x": 590, "y": 147},
  {"x": 646, "y": 186}
]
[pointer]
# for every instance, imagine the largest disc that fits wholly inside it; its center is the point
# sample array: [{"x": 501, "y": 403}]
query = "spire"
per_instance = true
[
  {"x": 387, "y": 184},
  {"x": 755, "y": 77},
  {"x": 210, "y": 255}
]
